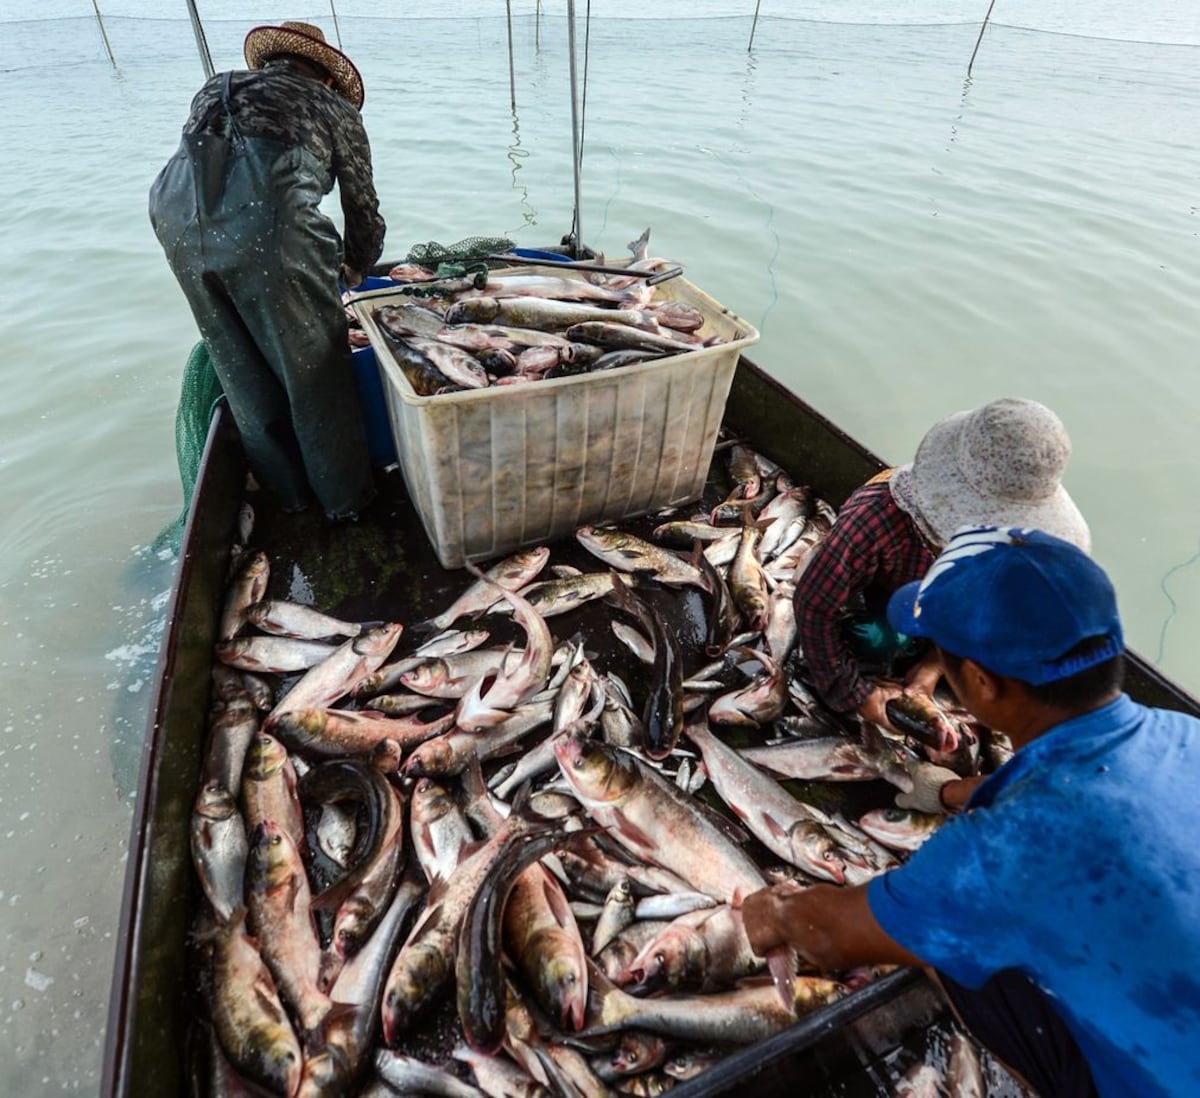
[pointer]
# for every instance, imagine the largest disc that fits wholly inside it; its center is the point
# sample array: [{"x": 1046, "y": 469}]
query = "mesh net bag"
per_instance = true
[
  {"x": 197, "y": 399},
  {"x": 431, "y": 253}
]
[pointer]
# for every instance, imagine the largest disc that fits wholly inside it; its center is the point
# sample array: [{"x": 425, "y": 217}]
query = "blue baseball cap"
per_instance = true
[{"x": 1016, "y": 601}]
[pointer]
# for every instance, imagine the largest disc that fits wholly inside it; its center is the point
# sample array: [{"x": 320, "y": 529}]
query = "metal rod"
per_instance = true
[
  {"x": 750, "y": 45},
  {"x": 201, "y": 41},
  {"x": 577, "y": 157},
  {"x": 336, "y": 29},
  {"x": 512, "y": 80},
  {"x": 104, "y": 34},
  {"x": 651, "y": 278},
  {"x": 980, "y": 38}
]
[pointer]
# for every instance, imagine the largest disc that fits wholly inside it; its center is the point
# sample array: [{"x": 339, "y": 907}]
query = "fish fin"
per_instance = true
[
  {"x": 556, "y": 900},
  {"x": 784, "y": 966},
  {"x": 640, "y": 247},
  {"x": 333, "y": 897}
]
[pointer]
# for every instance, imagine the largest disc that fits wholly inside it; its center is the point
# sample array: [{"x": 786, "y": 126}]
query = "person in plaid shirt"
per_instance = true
[{"x": 999, "y": 464}]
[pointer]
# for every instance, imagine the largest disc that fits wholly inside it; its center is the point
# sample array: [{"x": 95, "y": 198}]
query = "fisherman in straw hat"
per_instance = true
[
  {"x": 236, "y": 210},
  {"x": 1000, "y": 463}
]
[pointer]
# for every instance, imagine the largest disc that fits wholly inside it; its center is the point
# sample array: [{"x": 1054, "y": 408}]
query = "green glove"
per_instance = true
[
  {"x": 877, "y": 639},
  {"x": 926, "y": 795}
]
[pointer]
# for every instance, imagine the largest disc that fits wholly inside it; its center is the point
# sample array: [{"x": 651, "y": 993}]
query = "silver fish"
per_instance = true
[
  {"x": 219, "y": 849},
  {"x": 631, "y": 554},
  {"x": 408, "y": 1075},
  {"x": 275, "y": 655},
  {"x": 898, "y": 828},
  {"x": 292, "y": 619},
  {"x": 511, "y": 573},
  {"x": 336, "y": 675},
  {"x": 772, "y": 814},
  {"x": 248, "y": 586}
]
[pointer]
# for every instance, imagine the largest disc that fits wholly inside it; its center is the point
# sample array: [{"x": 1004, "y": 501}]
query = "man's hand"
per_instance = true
[
  {"x": 926, "y": 795},
  {"x": 874, "y": 705},
  {"x": 765, "y": 916},
  {"x": 925, "y": 675},
  {"x": 351, "y": 278}
]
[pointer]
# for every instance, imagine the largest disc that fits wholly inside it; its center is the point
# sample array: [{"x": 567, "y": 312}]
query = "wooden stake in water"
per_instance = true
[
  {"x": 512, "y": 80},
  {"x": 980, "y": 38},
  {"x": 750, "y": 44},
  {"x": 537, "y": 25},
  {"x": 336, "y": 29},
  {"x": 104, "y": 34}
]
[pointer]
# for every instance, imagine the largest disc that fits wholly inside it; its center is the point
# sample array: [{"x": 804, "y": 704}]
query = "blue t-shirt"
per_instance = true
[{"x": 1078, "y": 864}]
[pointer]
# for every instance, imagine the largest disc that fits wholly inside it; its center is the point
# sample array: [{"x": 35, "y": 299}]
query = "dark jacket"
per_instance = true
[{"x": 280, "y": 103}]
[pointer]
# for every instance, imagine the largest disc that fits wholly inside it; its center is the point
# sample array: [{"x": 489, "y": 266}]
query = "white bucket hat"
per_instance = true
[{"x": 1001, "y": 464}]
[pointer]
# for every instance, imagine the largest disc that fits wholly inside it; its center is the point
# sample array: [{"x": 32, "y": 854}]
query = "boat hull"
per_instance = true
[{"x": 153, "y": 996}]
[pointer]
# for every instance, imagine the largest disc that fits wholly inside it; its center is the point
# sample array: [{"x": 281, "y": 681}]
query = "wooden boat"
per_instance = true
[{"x": 153, "y": 994}]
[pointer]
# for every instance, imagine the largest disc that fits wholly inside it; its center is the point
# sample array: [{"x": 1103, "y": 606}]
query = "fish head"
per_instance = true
[
  {"x": 354, "y": 921},
  {"x": 637, "y": 1052},
  {"x": 529, "y": 559},
  {"x": 430, "y": 801},
  {"x": 675, "y": 958},
  {"x": 237, "y": 709},
  {"x": 274, "y": 1059},
  {"x": 387, "y": 755},
  {"x": 412, "y": 983},
  {"x": 425, "y": 676},
  {"x": 562, "y": 983},
  {"x": 812, "y": 992},
  {"x": 264, "y": 757},
  {"x": 593, "y": 769},
  {"x": 215, "y": 802},
  {"x": 271, "y": 859},
  {"x": 726, "y": 710},
  {"x": 815, "y": 851},
  {"x": 431, "y": 757},
  {"x": 378, "y": 640}
]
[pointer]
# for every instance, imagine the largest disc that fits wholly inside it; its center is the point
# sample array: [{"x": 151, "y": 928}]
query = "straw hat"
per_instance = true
[
  {"x": 1001, "y": 464},
  {"x": 305, "y": 40}
]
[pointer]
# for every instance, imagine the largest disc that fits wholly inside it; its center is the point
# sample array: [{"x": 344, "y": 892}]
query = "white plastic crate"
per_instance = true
[{"x": 492, "y": 470}]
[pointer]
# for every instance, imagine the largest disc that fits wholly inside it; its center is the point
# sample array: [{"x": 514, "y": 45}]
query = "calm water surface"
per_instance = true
[{"x": 910, "y": 244}]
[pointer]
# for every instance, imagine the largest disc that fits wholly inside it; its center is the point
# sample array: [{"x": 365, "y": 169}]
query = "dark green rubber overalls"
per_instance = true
[{"x": 239, "y": 221}]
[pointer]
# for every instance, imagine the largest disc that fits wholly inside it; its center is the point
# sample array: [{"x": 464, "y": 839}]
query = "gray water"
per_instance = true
[{"x": 909, "y": 242}]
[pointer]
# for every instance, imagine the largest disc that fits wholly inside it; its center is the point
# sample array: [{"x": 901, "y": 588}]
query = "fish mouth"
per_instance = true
[{"x": 574, "y": 1014}]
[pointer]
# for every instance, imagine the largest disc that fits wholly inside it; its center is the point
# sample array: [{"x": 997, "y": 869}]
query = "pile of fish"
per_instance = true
[
  {"x": 438, "y": 863},
  {"x": 519, "y": 328}
]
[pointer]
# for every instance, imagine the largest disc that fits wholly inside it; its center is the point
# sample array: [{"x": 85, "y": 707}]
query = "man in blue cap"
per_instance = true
[{"x": 1061, "y": 909}]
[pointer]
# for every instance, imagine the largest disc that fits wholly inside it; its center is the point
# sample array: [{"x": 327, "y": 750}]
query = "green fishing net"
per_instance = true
[
  {"x": 197, "y": 399},
  {"x": 431, "y": 253}
]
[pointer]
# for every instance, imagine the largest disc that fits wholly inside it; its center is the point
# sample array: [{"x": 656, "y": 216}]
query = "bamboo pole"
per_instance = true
[
  {"x": 537, "y": 25},
  {"x": 104, "y": 34},
  {"x": 750, "y": 45},
  {"x": 988, "y": 16},
  {"x": 201, "y": 41},
  {"x": 512, "y": 79},
  {"x": 336, "y": 29},
  {"x": 575, "y": 141}
]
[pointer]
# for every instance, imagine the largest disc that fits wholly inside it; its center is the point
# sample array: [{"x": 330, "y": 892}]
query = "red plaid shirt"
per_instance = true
[{"x": 872, "y": 549}]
